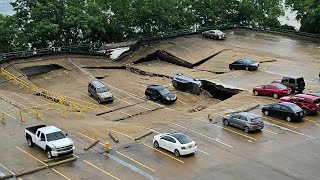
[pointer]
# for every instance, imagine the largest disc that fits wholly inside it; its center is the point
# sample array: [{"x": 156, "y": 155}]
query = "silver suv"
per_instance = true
[
  {"x": 244, "y": 120},
  {"x": 99, "y": 91}
]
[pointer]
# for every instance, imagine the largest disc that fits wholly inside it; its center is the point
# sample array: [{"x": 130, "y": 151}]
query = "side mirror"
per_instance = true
[
  {"x": 161, "y": 138},
  {"x": 66, "y": 134}
]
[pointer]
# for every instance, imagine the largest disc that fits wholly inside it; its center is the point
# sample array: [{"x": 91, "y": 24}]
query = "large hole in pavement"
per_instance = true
[
  {"x": 219, "y": 91},
  {"x": 36, "y": 70}
]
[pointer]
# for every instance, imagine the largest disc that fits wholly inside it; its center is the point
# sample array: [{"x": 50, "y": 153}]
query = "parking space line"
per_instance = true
[
  {"x": 216, "y": 140},
  {"x": 60, "y": 173},
  {"x": 43, "y": 163},
  {"x": 32, "y": 156},
  {"x": 132, "y": 104},
  {"x": 121, "y": 133},
  {"x": 101, "y": 170},
  {"x": 90, "y": 138},
  {"x": 104, "y": 105},
  {"x": 280, "y": 122},
  {"x": 236, "y": 132},
  {"x": 163, "y": 153},
  {"x": 8, "y": 170},
  {"x": 269, "y": 131},
  {"x": 204, "y": 152},
  {"x": 135, "y": 161},
  {"x": 182, "y": 102},
  {"x": 7, "y": 114},
  {"x": 310, "y": 120}
]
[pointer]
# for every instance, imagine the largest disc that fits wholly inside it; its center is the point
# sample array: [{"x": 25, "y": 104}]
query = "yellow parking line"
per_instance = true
[
  {"x": 60, "y": 173},
  {"x": 310, "y": 120},
  {"x": 182, "y": 102},
  {"x": 8, "y": 170},
  {"x": 90, "y": 138},
  {"x": 280, "y": 122},
  {"x": 101, "y": 169},
  {"x": 121, "y": 133},
  {"x": 163, "y": 153},
  {"x": 7, "y": 114},
  {"x": 236, "y": 132},
  {"x": 135, "y": 161},
  {"x": 32, "y": 156}
]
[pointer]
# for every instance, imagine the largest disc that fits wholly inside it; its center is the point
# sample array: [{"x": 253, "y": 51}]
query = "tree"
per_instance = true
[{"x": 308, "y": 12}]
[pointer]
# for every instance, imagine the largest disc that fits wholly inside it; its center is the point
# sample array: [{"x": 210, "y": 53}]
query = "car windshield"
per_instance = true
[
  {"x": 256, "y": 119},
  {"x": 296, "y": 108},
  {"x": 102, "y": 90},
  {"x": 281, "y": 86},
  {"x": 183, "y": 139},
  {"x": 164, "y": 91},
  {"x": 55, "y": 136}
]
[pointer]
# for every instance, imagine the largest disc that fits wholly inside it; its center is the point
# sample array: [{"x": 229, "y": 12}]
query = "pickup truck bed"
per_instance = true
[{"x": 34, "y": 129}]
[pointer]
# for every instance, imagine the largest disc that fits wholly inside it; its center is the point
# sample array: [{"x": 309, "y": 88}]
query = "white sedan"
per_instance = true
[{"x": 177, "y": 143}]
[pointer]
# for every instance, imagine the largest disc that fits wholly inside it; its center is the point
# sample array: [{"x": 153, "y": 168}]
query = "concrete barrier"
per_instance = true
[
  {"x": 115, "y": 139},
  {"x": 91, "y": 145},
  {"x": 143, "y": 135}
]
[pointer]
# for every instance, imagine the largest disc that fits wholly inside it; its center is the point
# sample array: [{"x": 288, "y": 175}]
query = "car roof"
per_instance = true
[
  {"x": 185, "y": 79},
  {"x": 248, "y": 115},
  {"x": 288, "y": 104},
  {"x": 157, "y": 87},
  {"x": 307, "y": 96},
  {"x": 97, "y": 84},
  {"x": 177, "y": 135},
  {"x": 49, "y": 129}
]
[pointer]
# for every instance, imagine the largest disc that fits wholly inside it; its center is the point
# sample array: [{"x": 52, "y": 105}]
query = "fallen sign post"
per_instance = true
[
  {"x": 143, "y": 135},
  {"x": 91, "y": 145},
  {"x": 115, "y": 139}
]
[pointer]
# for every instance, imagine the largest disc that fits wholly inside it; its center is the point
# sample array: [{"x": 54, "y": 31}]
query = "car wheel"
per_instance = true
[
  {"x": 99, "y": 101},
  {"x": 247, "y": 68},
  {"x": 275, "y": 95},
  {"x": 49, "y": 154},
  {"x": 246, "y": 129},
  {"x": 30, "y": 143},
  {"x": 89, "y": 93},
  {"x": 266, "y": 113},
  {"x": 226, "y": 122},
  {"x": 148, "y": 97},
  {"x": 176, "y": 153},
  {"x": 305, "y": 111},
  {"x": 256, "y": 93},
  {"x": 288, "y": 118},
  {"x": 156, "y": 144}
]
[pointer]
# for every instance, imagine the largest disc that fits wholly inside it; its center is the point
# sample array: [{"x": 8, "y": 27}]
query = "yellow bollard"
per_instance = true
[
  {"x": 21, "y": 116},
  {"x": 79, "y": 115},
  {"x": 107, "y": 147},
  {"x": 37, "y": 113},
  {"x": 50, "y": 105},
  {"x": 3, "y": 121}
]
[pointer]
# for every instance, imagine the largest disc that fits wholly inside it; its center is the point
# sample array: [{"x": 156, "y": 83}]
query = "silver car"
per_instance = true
[
  {"x": 244, "y": 120},
  {"x": 214, "y": 34}
]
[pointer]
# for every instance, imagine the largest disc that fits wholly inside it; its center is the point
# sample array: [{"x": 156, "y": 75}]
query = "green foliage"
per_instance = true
[
  {"x": 47, "y": 23},
  {"x": 308, "y": 12}
]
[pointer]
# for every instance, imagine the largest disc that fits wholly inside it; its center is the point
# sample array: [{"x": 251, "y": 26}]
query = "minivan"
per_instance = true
[{"x": 100, "y": 92}]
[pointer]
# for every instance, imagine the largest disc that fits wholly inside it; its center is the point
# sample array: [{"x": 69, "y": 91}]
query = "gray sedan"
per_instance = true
[{"x": 244, "y": 120}]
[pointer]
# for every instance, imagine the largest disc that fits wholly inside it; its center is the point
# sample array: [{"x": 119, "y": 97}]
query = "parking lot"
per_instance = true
[{"x": 282, "y": 150}]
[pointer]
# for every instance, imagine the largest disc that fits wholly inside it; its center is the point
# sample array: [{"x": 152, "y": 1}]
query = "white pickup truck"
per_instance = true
[{"x": 50, "y": 139}]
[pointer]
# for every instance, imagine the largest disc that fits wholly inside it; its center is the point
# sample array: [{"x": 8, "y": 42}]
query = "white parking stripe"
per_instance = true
[
  {"x": 216, "y": 140},
  {"x": 204, "y": 152},
  {"x": 269, "y": 131}
]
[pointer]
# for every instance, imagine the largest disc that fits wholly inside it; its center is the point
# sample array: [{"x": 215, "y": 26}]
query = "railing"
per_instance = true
[{"x": 74, "y": 103}]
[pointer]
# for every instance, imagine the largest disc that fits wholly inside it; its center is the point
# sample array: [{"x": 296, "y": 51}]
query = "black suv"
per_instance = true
[
  {"x": 295, "y": 84},
  {"x": 160, "y": 93}
]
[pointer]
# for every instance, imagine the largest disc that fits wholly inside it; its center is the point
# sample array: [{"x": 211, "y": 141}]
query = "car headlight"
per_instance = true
[
  {"x": 54, "y": 149},
  {"x": 168, "y": 98}
]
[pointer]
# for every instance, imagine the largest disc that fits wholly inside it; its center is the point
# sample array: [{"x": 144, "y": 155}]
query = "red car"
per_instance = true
[
  {"x": 309, "y": 103},
  {"x": 274, "y": 89}
]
